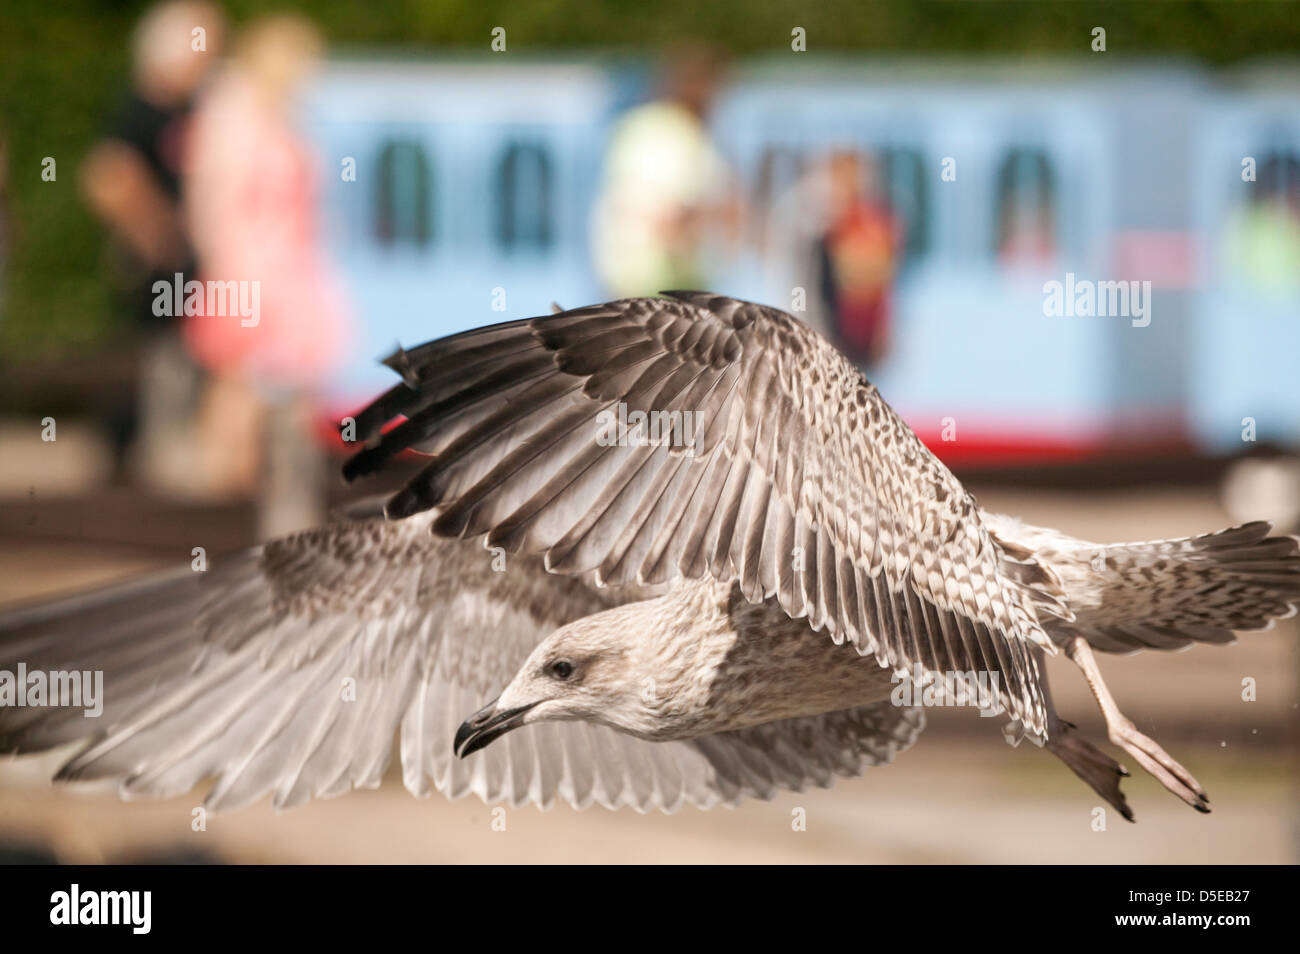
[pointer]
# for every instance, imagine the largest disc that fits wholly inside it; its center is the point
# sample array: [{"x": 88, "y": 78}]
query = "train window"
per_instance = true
[
  {"x": 1262, "y": 236},
  {"x": 905, "y": 187},
  {"x": 404, "y": 195},
  {"x": 1026, "y": 210},
  {"x": 524, "y": 198}
]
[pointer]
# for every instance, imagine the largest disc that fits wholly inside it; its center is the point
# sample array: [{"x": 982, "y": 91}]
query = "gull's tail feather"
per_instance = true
[{"x": 1168, "y": 594}]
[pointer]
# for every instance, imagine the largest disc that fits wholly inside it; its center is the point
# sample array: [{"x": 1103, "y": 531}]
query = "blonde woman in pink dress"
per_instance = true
[{"x": 252, "y": 189}]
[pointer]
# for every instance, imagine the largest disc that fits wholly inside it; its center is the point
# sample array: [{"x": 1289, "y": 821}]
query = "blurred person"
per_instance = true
[
  {"x": 1028, "y": 239},
  {"x": 1263, "y": 237},
  {"x": 1026, "y": 219},
  {"x": 856, "y": 258},
  {"x": 131, "y": 179},
  {"x": 666, "y": 187},
  {"x": 251, "y": 201},
  {"x": 788, "y": 238}
]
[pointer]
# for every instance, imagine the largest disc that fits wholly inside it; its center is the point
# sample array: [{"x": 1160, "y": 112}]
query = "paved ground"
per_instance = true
[
  {"x": 961, "y": 795},
  {"x": 945, "y": 801}
]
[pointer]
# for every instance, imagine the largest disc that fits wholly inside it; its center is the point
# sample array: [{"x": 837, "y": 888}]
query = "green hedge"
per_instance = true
[{"x": 62, "y": 70}]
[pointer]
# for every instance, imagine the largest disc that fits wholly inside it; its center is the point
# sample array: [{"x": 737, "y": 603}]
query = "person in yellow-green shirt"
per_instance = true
[
  {"x": 1262, "y": 244},
  {"x": 667, "y": 191}
]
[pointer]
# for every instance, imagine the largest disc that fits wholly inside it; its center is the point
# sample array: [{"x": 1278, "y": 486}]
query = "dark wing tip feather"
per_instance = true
[
  {"x": 415, "y": 497},
  {"x": 400, "y": 361},
  {"x": 365, "y": 462},
  {"x": 513, "y": 459}
]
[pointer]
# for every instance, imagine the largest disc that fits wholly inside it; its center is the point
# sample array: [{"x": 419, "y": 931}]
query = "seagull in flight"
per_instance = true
[{"x": 559, "y": 606}]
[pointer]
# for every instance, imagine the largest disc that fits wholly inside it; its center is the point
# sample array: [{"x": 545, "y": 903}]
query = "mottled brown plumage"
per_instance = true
[
  {"x": 664, "y": 623},
  {"x": 802, "y": 484}
]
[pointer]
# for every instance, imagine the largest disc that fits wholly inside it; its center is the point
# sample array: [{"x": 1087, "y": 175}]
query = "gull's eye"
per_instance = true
[{"x": 560, "y": 669}]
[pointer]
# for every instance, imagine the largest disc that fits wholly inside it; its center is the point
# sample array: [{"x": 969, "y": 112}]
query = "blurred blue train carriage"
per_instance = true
[{"x": 475, "y": 185}]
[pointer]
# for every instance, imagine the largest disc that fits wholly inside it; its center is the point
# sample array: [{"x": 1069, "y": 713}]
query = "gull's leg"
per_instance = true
[
  {"x": 1123, "y": 733},
  {"x": 1099, "y": 770}
]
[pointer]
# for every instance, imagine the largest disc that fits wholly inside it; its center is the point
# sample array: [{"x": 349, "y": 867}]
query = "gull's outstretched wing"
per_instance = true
[
  {"x": 291, "y": 668},
  {"x": 797, "y": 480}
]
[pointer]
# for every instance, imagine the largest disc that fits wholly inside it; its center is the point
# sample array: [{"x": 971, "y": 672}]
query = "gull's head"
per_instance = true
[{"x": 587, "y": 670}]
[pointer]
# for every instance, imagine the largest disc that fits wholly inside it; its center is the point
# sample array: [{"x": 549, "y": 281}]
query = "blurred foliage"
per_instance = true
[{"x": 63, "y": 69}]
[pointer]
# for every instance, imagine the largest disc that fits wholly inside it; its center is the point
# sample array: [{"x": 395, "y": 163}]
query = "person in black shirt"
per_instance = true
[{"x": 132, "y": 181}]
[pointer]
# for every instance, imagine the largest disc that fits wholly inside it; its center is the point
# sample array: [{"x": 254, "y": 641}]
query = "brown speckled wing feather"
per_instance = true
[{"x": 800, "y": 481}]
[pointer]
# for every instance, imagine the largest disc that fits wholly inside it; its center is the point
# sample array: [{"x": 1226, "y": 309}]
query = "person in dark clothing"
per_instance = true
[
  {"x": 143, "y": 146},
  {"x": 132, "y": 181},
  {"x": 857, "y": 257}
]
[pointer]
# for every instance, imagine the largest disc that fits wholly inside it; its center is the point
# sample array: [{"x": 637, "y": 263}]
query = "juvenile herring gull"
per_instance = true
[{"x": 555, "y": 607}]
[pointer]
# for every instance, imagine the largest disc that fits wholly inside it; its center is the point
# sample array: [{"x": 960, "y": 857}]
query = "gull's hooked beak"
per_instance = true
[{"x": 487, "y": 724}]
